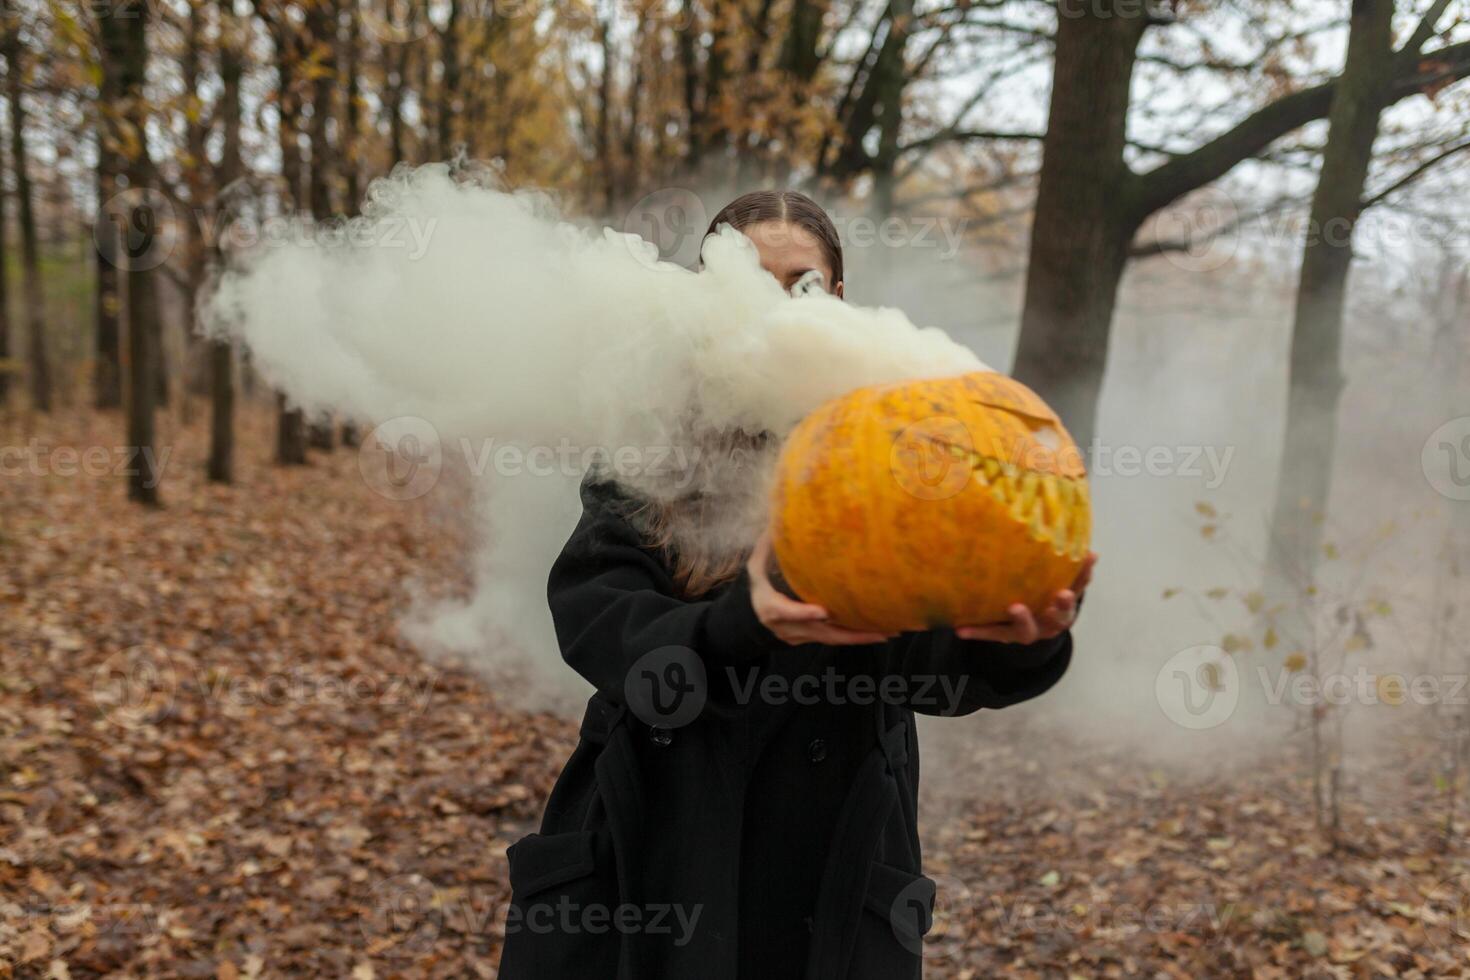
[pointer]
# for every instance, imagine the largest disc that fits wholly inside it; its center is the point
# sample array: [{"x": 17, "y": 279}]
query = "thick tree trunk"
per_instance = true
[
  {"x": 799, "y": 51},
  {"x": 220, "y": 467},
  {"x": 1085, "y": 216},
  {"x": 1316, "y": 343},
  {"x": 34, "y": 305},
  {"x": 290, "y": 434},
  {"x": 125, "y": 52}
]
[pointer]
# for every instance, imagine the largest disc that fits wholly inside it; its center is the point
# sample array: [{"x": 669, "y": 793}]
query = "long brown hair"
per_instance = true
[
  {"x": 692, "y": 531},
  {"x": 759, "y": 207}
]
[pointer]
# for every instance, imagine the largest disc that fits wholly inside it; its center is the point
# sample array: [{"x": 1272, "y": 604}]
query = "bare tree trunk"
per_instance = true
[
  {"x": 7, "y": 368},
  {"x": 348, "y": 147},
  {"x": 397, "y": 84},
  {"x": 290, "y": 434},
  {"x": 123, "y": 31},
  {"x": 1084, "y": 219},
  {"x": 107, "y": 376},
  {"x": 1090, "y": 203},
  {"x": 689, "y": 40},
  {"x": 1316, "y": 342},
  {"x": 723, "y": 13},
  {"x": 196, "y": 178},
  {"x": 322, "y": 24},
  {"x": 290, "y": 423},
  {"x": 632, "y": 138},
  {"x": 351, "y": 124},
  {"x": 221, "y": 465},
  {"x": 30, "y": 256},
  {"x": 449, "y": 97},
  {"x": 107, "y": 297},
  {"x": 890, "y": 79},
  {"x": 605, "y": 160}
]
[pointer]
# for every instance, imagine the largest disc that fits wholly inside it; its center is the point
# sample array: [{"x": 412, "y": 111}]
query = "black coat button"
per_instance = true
[
  {"x": 817, "y": 751},
  {"x": 661, "y": 736}
]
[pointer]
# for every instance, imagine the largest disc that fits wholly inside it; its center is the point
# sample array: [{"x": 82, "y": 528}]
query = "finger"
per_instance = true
[
  {"x": 840, "y": 637},
  {"x": 1084, "y": 574},
  {"x": 1024, "y": 624},
  {"x": 1001, "y": 633},
  {"x": 760, "y": 557},
  {"x": 1061, "y": 612},
  {"x": 784, "y": 609}
]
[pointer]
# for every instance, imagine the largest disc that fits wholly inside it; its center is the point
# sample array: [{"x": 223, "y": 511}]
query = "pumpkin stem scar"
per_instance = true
[{"x": 1033, "y": 422}]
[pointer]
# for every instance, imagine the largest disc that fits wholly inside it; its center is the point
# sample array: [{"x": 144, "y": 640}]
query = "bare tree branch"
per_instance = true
[
  {"x": 1170, "y": 181},
  {"x": 1413, "y": 175}
]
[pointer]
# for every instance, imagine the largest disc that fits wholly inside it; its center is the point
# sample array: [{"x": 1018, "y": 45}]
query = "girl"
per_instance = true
[{"x": 742, "y": 801}]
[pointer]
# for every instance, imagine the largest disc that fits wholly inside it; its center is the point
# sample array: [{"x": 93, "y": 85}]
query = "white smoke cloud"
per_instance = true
[{"x": 485, "y": 314}]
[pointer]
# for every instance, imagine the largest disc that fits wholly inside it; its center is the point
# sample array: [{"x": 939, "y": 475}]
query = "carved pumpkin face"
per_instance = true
[{"x": 932, "y": 503}]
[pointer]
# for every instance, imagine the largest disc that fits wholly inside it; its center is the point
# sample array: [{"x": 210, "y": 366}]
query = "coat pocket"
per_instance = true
[
  {"x": 898, "y": 909},
  {"x": 562, "y": 916}
]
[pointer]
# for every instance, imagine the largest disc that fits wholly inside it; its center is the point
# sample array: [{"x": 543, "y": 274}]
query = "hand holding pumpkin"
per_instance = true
[
  {"x": 793, "y": 621},
  {"x": 1024, "y": 627}
]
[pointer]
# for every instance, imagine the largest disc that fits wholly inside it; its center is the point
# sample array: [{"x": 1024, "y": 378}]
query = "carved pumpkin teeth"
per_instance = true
[
  {"x": 1060, "y": 524},
  {"x": 1038, "y": 524},
  {"x": 1027, "y": 497},
  {"x": 977, "y": 467},
  {"x": 1053, "y": 507},
  {"x": 1051, "y": 493}
]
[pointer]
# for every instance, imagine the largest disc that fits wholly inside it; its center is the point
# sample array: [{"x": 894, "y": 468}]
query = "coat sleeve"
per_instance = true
[
  {"x": 949, "y": 676},
  {"x": 613, "y": 601}
]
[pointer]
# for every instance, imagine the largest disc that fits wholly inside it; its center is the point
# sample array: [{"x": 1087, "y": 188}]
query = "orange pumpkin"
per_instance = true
[{"x": 931, "y": 503}]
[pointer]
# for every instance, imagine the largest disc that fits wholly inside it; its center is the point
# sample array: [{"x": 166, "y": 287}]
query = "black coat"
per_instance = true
[{"x": 758, "y": 822}]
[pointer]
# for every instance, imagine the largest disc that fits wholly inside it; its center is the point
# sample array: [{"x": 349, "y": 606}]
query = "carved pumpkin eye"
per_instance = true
[{"x": 902, "y": 506}]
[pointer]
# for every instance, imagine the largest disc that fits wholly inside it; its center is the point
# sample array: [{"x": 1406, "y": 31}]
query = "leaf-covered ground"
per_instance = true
[{"x": 219, "y": 758}]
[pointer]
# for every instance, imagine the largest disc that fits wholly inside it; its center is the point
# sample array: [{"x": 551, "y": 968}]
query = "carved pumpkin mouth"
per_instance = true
[{"x": 1054, "y": 508}]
